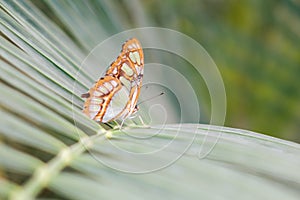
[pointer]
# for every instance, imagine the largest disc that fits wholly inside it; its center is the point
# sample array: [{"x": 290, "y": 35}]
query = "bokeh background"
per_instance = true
[{"x": 254, "y": 43}]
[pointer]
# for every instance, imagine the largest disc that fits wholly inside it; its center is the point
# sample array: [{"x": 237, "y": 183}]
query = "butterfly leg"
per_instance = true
[
  {"x": 141, "y": 121},
  {"x": 116, "y": 125},
  {"x": 120, "y": 127}
]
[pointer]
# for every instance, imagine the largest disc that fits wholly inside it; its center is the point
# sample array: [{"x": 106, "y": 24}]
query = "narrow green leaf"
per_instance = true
[{"x": 16, "y": 161}]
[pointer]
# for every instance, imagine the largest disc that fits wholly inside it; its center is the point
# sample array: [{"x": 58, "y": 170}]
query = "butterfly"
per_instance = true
[{"x": 114, "y": 96}]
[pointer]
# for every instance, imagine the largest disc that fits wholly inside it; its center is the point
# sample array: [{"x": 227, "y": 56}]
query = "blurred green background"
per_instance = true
[
  {"x": 254, "y": 43},
  {"x": 256, "y": 46}
]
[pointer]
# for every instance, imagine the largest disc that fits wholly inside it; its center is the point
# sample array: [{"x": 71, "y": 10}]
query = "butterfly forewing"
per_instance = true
[{"x": 115, "y": 95}]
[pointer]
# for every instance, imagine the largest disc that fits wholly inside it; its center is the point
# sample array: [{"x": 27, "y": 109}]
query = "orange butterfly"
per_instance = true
[{"x": 115, "y": 95}]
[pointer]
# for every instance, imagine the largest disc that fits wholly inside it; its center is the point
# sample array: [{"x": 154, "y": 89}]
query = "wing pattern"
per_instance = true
[{"x": 115, "y": 95}]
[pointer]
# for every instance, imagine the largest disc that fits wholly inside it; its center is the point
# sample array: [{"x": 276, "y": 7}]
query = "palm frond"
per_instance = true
[{"x": 50, "y": 150}]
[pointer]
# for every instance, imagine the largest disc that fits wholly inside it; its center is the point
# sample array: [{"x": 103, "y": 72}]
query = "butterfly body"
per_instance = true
[{"x": 115, "y": 95}]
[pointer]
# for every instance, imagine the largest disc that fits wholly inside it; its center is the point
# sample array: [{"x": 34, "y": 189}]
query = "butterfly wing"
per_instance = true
[
  {"x": 115, "y": 95},
  {"x": 130, "y": 73},
  {"x": 100, "y": 96}
]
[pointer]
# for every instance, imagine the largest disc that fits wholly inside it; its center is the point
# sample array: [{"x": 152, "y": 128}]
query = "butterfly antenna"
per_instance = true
[
  {"x": 142, "y": 121},
  {"x": 149, "y": 99}
]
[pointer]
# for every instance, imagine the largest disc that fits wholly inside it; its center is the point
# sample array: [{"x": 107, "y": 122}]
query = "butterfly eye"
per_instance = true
[{"x": 136, "y": 108}]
